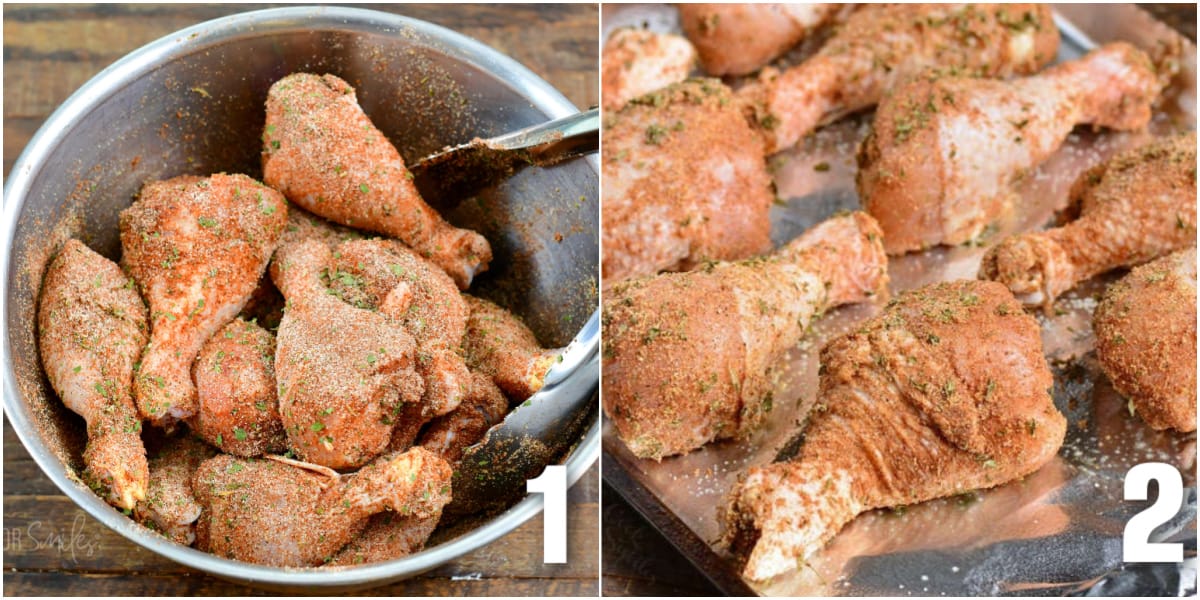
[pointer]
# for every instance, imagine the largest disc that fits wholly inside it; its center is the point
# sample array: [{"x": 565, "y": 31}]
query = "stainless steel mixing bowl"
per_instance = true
[{"x": 193, "y": 103}]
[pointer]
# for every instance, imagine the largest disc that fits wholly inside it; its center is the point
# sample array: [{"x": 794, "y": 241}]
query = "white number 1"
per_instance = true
[
  {"x": 1138, "y": 547},
  {"x": 552, "y": 485}
]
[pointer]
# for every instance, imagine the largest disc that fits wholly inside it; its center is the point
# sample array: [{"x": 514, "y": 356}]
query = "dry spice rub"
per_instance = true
[{"x": 311, "y": 387}]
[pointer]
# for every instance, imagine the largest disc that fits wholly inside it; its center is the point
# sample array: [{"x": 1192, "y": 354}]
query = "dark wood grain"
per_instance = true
[
  {"x": 53, "y": 548},
  {"x": 51, "y": 50}
]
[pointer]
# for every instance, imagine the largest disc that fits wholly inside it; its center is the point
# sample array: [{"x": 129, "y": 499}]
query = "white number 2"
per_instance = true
[
  {"x": 1138, "y": 548},
  {"x": 552, "y": 485}
]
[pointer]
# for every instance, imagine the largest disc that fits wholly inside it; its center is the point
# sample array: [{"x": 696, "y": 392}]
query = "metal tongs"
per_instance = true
[
  {"x": 535, "y": 433},
  {"x": 455, "y": 174},
  {"x": 545, "y": 426}
]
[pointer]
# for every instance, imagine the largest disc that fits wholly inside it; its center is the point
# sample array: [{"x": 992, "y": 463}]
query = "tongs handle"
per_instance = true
[{"x": 560, "y": 139}]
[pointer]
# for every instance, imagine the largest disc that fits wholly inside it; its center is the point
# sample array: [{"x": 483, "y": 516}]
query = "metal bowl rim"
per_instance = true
[{"x": 276, "y": 20}]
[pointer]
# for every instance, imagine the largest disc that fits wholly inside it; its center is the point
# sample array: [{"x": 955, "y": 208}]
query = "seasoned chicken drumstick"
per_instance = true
[
  {"x": 499, "y": 345},
  {"x": 344, "y": 373},
  {"x": 384, "y": 275},
  {"x": 170, "y": 506},
  {"x": 882, "y": 45},
  {"x": 737, "y": 39},
  {"x": 196, "y": 247},
  {"x": 1139, "y": 205},
  {"x": 639, "y": 61},
  {"x": 91, "y": 330},
  {"x": 1146, "y": 339},
  {"x": 944, "y": 392},
  {"x": 282, "y": 513},
  {"x": 684, "y": 182},
  {"x": 324, "y": 154},
  {"x": 235, "y": 383},
  {"x": 389, "y": 535},
  {"x": 686, "y": 355},
  {"x": 943, "y": 151}
]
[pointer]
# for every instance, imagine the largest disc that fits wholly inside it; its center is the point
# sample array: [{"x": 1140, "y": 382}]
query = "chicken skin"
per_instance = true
[
  {"x": 197, "y": 247},
  {"x": 170, "y": 506},
  {"x": 499, "y": 345},
  {"x": 880, "y": 46},
  {"x": 1146, "y": 339},
  {"x": 389, "y": 536},
  {"x": 449, "y": 435},
  {"x": 738, "y": 39},
  {"x": 1139, "y": 205},
  {"x": 943, "y": 152},
  {"x": 303, "y": 225},
  {"x": 687, "y": 355},
  {"x": 944, "y": 392},
  {"x": 235, "y": 383},
  {"x": 281, "y": 513},
  {"x": 91, "y": 330},
  {"x": 684, "y": 182},
  {"x": 343, "y": 373},
  {"x": 384, "y": 275},
  {"x": 322, "y": 151},
  {"x": 639, "y": 61}
]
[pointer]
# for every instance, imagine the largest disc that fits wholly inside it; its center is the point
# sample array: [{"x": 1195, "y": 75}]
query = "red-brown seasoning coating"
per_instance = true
[
  {"x": 170, "y": 506},
  {"x": 944, "y": 151},
  {"x": 944, "y": 392},
  {"x": 386, "y": 276},
  {"x": 639, "y": 61},
  {"x": 324, "y": 154},
  {"x": 1146, "y": 340},
  {"x": 235, "y": 383},
  {"x": 271, "y": 513},
  {"x": 91, "y": 330},
  {"x": 389, "y": 536},
  {"x": 196, "y": 247},
  {"x": 1138, "y": 206},
  {"x": 686, "y": 355},
  {"x": 499, "y": 345},
  {"x": 344, "y": 373},
  {"x": 879, "y": 46},
  {"x": 449, "y": 435},
  {"x": 684, "y": 182}
]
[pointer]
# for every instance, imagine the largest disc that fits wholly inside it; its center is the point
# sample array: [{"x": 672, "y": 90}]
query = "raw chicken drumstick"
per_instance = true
[
  {"x": 449, "y": 435},
  {"x": 686, "y": 355},
  {"x": 639, "y": 61},
  {"x": 170, "y": 506},
  {"x": 196, "y": 247},
  {"x": 684, "y": 182},
  {"x": 91, "y": 330},
  {"x": 235, "y": 382},
  {"x": 388, "y": 535},
  {"x": 737, "y": 39},
  {"x": 882, "y": 45},
  {"x": 499, "y": 345},
  {"x": 283, "y": 513},
  {"x": 344, "y": 373},
  {"x": 1146, "y": 339},
  {"x": 386, "y": 276},
  {"x": 943, "y": 151},
  {"x": 1139, "y": 205},
  {"x": 944, "y": 392},
  {"x": 324, "y": 154}
]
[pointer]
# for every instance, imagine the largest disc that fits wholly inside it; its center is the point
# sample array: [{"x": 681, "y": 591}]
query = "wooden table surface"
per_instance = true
[{"x": 53, "y": 548}]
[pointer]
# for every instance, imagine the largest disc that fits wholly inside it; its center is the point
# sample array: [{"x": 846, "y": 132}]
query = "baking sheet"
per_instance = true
[{"x": 1058, "y": 531}]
